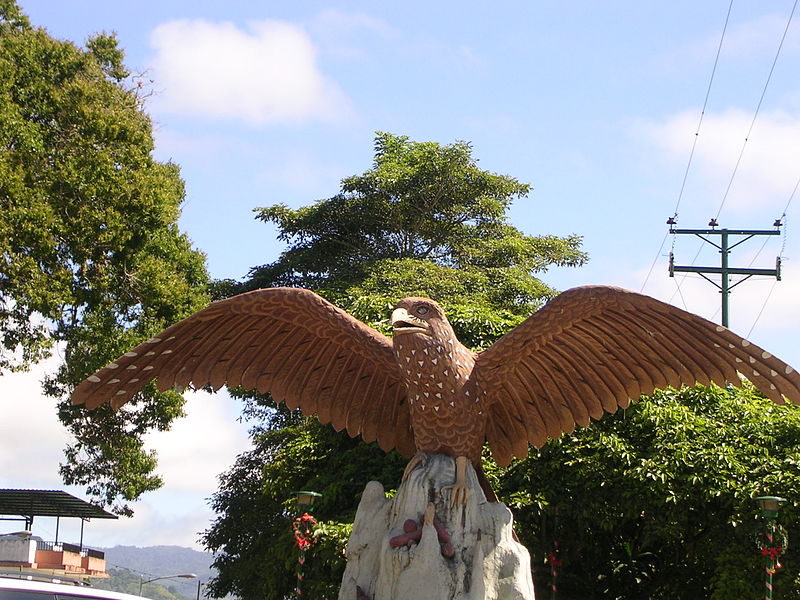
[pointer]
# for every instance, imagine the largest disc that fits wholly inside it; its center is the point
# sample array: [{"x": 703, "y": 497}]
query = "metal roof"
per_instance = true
[{"x": 48, "y": 503}]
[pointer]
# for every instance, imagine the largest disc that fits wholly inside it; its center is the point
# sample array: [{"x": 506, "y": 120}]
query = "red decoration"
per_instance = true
[
  {"x": 553, "y": 559},
  {"x": 303, "y": 527},
  {"x": 771, "y": 545},
  {"x": 773, "y": 553}
]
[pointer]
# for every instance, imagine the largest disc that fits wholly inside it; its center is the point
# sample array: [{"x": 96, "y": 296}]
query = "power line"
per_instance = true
[
  {"x": 783, "y": 220},
  {"x": 685, "y": 275},
  {"x": 741, "y": 154},
  {"x": 789, "y": 202},
  {"x": 694, "y": 143},
  {"x": 758, "y": 108},
  {"x": 703, "y": 111},
  {"x": 794, "y": 191},
  {"x": 680, "y": 293},
  {"x": 655, "y": 260},
  {"x": 763, "y": 306}
]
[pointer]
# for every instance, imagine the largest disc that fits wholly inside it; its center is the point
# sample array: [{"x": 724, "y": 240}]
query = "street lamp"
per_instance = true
[
  {"x": 302, "y": 527},
  {"x": 305, "y": 500},
  {"x": 775, "y": 539},
  {"x": 770, "y": 506},
  {"x": 199, "y": 583},
  {"x": 142, "y": 581}
]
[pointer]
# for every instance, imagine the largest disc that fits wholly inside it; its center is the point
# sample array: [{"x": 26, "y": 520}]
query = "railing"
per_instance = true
[{"x": 66, "y": 547}]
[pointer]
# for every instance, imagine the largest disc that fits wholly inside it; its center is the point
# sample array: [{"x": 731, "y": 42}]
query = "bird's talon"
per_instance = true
[
  {"x": 459, "y": 494},
  {"x": 418, "y": 461}
]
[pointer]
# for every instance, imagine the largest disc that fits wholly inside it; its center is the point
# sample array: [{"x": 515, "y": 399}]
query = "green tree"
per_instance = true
[
  {"x": 422, "y": 210},
  {"x": 91, "y": 258},
  {"x": 252, "y": 536},
  {"x": 657, "y": 501},
  {"x": 424, "y": 220}
]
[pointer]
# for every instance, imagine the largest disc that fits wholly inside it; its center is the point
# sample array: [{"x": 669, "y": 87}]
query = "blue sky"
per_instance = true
[{"x": 596, "y": 104}]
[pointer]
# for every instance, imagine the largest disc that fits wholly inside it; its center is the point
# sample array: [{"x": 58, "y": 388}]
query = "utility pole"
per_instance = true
[{"x": 724, "y": 246}]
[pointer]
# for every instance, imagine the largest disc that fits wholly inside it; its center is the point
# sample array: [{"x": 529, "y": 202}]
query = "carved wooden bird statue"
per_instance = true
[{"x": 588, "y": 351}]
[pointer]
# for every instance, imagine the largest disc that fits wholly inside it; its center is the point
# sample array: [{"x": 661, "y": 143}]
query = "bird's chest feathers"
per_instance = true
[{"x": 437, "y": 374}]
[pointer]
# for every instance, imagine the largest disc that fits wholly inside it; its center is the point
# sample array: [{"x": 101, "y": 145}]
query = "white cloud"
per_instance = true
[
  {"x": 343, "y": 34},
  {"x": 767, "y": 173},
  {"x": 266, "y": 74},
  {"x": 200, "y": 446},
  {"x": 31, "y": 436},
  {"x": 759, "y": 37},
  {"x": 154, "y": 525},
  {"x": 338, "y": 23}
]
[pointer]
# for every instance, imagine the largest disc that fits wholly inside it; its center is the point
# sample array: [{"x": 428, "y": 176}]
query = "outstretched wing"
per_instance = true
[
  {"x": 593, "y": 349},
  {"x": 289, "y": 342}
]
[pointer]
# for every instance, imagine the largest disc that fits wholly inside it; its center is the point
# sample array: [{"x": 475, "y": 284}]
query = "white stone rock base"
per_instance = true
[{"x": 488, "y": 564}]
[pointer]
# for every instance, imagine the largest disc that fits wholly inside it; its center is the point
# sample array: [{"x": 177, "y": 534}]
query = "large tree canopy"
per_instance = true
[
  {"x": 91, "y": 257},
  {"x": 422, "y": 202}
]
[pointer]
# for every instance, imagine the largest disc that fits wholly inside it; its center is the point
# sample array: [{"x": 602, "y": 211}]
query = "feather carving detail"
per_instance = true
[{"x": 587, "y": 352}]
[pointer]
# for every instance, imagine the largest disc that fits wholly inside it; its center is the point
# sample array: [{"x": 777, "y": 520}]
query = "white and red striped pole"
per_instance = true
[{"x": 769, "y": 567}]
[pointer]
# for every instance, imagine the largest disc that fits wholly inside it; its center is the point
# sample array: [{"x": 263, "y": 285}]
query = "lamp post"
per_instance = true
[
  {"x": 305, "y": 501},
  {"x": 142, "y": 581},
  {"x": 771, "y": 547},
  {"x": 553, "y": 559},
  {"x": 302, "y": 527}
]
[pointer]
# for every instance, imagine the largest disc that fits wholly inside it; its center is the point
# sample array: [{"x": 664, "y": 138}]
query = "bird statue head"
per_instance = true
[{"x": 420, "y": 316}]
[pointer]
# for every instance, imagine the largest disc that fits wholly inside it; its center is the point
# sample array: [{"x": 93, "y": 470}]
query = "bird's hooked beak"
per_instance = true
[{"x": 403, "y": 322}]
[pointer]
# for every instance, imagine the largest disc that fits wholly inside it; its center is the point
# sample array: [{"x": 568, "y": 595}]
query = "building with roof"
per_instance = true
[{"x": 26, "y": 552}]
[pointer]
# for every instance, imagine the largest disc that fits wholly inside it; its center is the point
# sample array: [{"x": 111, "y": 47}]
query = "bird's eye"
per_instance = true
[{"x": 422, "y": 310}]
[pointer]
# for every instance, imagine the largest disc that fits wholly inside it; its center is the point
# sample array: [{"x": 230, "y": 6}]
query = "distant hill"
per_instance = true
[
  {"x": 129, "y": 582},
  {"x": 127, "y": 565}
]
